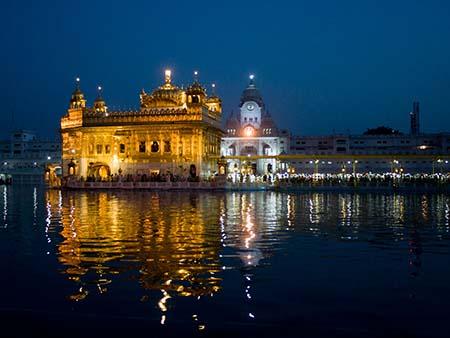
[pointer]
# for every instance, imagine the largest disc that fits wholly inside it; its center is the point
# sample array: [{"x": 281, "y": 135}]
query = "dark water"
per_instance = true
[{"x": 159, "y": 264}]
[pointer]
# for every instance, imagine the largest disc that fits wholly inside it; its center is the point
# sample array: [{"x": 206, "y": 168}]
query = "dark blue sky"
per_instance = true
[{"x": 320, "y": 65}]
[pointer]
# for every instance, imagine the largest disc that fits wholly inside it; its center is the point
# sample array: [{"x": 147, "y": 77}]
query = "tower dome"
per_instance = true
[
  {"x": 99, "y": 103},
  {"x": 77, "y": 100},
  {"x": 251, "y": 93},
  {"x": 196, "y": 94}
]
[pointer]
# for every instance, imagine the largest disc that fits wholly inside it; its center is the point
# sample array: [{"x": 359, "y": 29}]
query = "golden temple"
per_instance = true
[{"x": 176, "y": 131}]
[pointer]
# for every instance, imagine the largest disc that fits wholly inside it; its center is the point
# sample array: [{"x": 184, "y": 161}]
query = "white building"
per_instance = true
[
  {"x": 25, "y": 157},
  {"x": 252, "y": 132},
  {"x": 371, "y": 152}
]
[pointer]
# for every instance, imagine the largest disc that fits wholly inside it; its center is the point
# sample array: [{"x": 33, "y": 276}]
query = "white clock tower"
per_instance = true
[
  {"x": 251, "y": 107},
  {"x": 252, "y": 133}
]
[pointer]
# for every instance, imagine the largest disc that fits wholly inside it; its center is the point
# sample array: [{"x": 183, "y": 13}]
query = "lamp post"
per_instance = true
[
  {"x": 355, "y": 162},
  {"x": 440, "y": 161},
  {"x": 316, "y": 167},
  {"x": 394, "y": 166}
]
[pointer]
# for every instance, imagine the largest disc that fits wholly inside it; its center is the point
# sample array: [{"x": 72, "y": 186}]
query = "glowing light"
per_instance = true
[
  {"x": 252, "y": 76},
  {"x": 196, "y": 73},
  {"x": 162, "y": 303},
  {"x": 168, "y": 75},
  {"x": 248, "y": 131},
  {"x": 99, "y": 88},
  {"x": 49, "y": 158},
  {"x": 251, "y": 315},
  {"x": 77, "y": 79},
  {"x": 213, "y": 85}
]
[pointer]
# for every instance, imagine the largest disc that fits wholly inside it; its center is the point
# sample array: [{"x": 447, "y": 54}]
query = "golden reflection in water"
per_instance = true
[
  {"x": 169, "y": 248},
  {"x": 291, "y": 206},
  {"x": 172, "y": 243}
]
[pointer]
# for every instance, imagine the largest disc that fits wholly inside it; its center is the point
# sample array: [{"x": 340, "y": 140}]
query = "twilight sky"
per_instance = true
[{"x": 320, "y": 65}]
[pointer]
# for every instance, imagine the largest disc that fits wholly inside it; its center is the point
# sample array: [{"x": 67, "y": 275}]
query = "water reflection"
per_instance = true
[{"x": 182, "y": 244}]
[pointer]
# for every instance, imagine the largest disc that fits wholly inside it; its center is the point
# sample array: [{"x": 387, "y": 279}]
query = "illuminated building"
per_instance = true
[
  {"x": 175, "y": 130},
  {"x": 25, "y": 156},
  {"x": 401, "y": 153},
  {"x": 251, "y": 133},
  {"x": 247, "y": 142}
]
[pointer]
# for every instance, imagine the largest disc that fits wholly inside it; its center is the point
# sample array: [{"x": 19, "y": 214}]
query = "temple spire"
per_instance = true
[
  {"x": 99, "y": 103},
  {"x": 99, "y": 92},
  {"x": 168, "y": 76},
  {"x": 252, "y": 80},
  {"x": 77, "y": 100}
]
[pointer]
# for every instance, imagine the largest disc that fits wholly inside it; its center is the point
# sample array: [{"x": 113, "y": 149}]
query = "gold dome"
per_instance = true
[{"x": 167, "y": 95}]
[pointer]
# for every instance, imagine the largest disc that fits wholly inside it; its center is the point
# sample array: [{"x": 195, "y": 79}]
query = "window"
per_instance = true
[
  {"x": 107, "y": 149},
  {"x": 99, "y": 148},
  {"x": 122, "y": 148},
  {"x": 167, "y": 147},
  {"x": 142, "y": 147},
  {"x": 91, "y": 148},
  {"x": 155, "y": 147}
]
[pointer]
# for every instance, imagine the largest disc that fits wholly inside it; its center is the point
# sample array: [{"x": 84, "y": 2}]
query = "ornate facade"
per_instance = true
[
  {"x": 175, "y": 131},
  {"x": 253, "y": 132}
]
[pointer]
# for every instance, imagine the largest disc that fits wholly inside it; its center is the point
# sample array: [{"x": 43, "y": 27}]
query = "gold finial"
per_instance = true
[
  {"x": 99, "y": 91},
  {"x": 168, "y": 76}
]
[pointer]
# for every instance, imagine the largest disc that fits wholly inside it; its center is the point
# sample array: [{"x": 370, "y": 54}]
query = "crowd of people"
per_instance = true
[
  {"x": 357, "y": 179},
  {"x": 153, "y": 177},
  {"x": 366, "y": 179}
]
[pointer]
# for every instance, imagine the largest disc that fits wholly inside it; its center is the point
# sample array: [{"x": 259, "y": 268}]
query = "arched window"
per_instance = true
[
  {"x": 155, "y": 147},
  {"x": 142, "y": 147}
]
